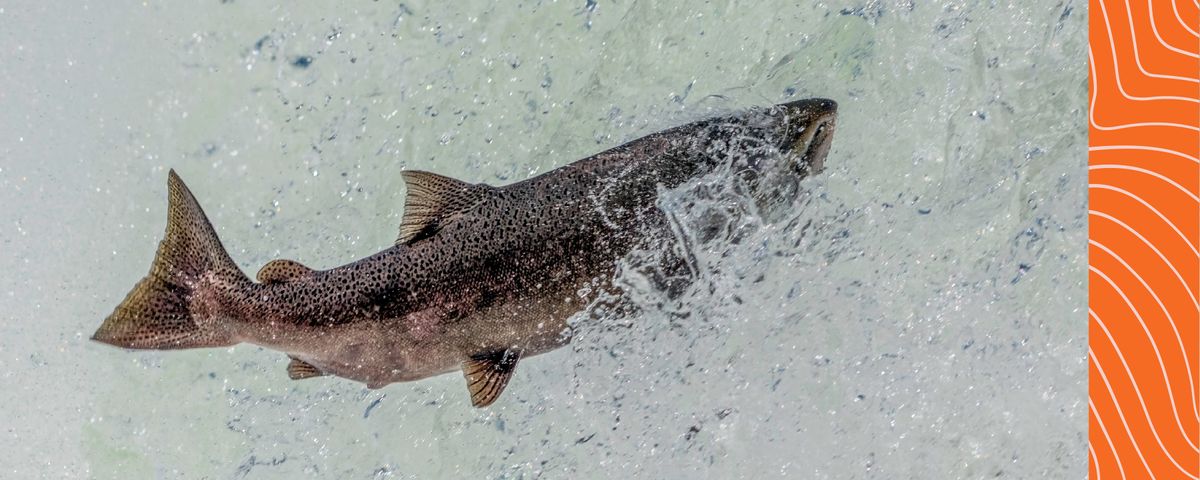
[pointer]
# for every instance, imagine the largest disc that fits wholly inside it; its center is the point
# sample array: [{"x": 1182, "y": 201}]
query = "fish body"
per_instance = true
[{"x": 480, "y": 276}]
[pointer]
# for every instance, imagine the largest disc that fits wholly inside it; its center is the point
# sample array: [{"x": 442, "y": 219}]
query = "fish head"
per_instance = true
[
  {"x": 780, "y": 146},
  {"x": 806, "y": 132}
]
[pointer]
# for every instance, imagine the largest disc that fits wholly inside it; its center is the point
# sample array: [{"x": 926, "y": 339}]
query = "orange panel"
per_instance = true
[{"x": 1144, "y": 229}]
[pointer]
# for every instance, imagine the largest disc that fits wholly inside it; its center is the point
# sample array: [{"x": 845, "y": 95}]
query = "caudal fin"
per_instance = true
[{"x": 176, "y": 304}]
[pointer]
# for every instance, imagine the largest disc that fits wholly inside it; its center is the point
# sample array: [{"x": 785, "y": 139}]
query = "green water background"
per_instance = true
[{"x": 934, "y": 327}]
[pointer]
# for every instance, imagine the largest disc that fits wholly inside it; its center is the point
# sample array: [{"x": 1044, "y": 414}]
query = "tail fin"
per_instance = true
[{"x": 162, "y": 311}]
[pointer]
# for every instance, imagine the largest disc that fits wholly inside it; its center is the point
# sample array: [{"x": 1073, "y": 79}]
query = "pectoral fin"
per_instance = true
[
  {"x": 299, "y": 370},
  {"x": 487, "y": 374},
  {"x": 277, "y": 271}
]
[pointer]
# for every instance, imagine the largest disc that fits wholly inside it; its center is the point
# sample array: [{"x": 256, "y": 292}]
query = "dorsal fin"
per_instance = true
[
  {"x": 277, "y": 271},
  {"x": 431, "y": 200},
  {"x": 488, "y": 373},
  {"x": 299, "y": 369}
]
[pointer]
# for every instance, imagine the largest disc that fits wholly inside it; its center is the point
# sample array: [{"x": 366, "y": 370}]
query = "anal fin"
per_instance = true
[
  {"x": 278, "y": 271},
  {"x": 299, "y": 370},
  {"x": 487, "y": 374}
]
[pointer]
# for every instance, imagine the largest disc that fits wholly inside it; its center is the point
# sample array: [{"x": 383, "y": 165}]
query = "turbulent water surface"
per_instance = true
[{"x": 917, "y": 311}]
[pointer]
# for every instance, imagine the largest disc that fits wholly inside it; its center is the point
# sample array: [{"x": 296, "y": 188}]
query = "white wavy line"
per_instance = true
[
  {"x": 1092, "y": 106},
  {"x": 1175, "y": 8},
  {"x": 1143, "y": 147},
  {"x": 1103, "y": 186},
  {"x": 1154, "y": 27},
  {"x": 1137, "y": 59},
  {"x": 1106, "y": 166},
  {"x": 1187, "y": 288},
  {"x": 1112, "y": 47},
  {"x": 1170, "y": 320},
  {"x": 1116, "y": 404},
  {"x": 1093, "y": 462},
  {"x": 1116, "y": 78},
  {"x": 1133, "y": 381},
  {"x": 1157, "y": 353},
  {"x": 1111, "y": 447}
]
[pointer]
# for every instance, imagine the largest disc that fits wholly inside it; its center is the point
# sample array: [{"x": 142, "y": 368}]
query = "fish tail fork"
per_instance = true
[{"x": 177, "y": 304}]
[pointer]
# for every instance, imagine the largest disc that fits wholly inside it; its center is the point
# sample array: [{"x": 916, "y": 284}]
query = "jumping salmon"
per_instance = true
[{"x": 480, "y": 276}]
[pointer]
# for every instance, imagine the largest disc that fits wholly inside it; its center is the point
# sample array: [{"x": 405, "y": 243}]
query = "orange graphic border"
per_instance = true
[{"x": 1144, "y": 229}]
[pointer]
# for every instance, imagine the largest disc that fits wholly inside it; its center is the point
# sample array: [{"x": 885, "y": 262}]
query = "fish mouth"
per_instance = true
[{"x": 808, "y": 132}]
